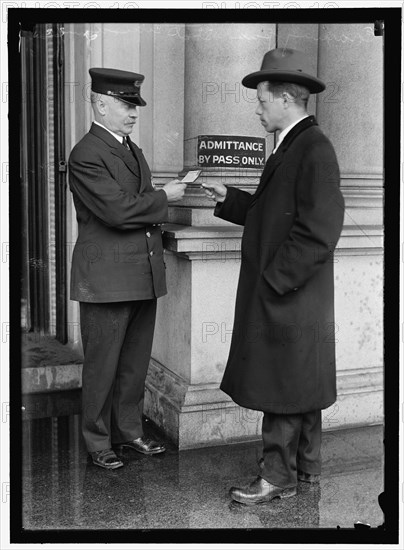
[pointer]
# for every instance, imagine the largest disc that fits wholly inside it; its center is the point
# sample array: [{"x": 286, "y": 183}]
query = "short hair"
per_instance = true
[
  {"x": 299, "y": 94},
  {"x": 94, "y": 97}
]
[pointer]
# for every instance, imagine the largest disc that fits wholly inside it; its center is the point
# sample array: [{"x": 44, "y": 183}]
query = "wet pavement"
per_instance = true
[{"x": 188, "y": 489}]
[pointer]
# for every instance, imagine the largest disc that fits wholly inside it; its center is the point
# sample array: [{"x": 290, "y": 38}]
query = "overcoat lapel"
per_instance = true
[
  {"x": 137, "y": 153},
  {"x": 276, "y": 159},
  {"x": 271, "y": 165},
  {"x": 127, "y": 157},
  {"x": 117, "y": 148}
]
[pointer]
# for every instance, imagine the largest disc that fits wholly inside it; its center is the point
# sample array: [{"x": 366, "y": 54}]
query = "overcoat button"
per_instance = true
[
  {"x": 151, "y": 253},
  {"x": 296, "y": 288},
  {"x": 148, "y": 234}
]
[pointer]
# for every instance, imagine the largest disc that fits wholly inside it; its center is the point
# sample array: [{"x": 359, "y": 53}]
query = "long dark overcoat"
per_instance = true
[
  {"x": 282, "y": 355},
  {"x": 119, "y": 252}
]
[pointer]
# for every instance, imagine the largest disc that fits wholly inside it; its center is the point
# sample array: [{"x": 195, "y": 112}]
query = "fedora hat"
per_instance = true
[
  {"x": 124, "y": 85},
  {"x": 285, "y": 65}
]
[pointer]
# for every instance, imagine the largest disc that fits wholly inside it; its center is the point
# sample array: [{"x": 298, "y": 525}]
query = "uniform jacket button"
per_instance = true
[
  {"x": 148, "y": 234},
  {"x": 151, "y": 253}
]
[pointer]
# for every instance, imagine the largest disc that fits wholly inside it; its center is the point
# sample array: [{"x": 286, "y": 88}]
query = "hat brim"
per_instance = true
[
  {"x": 132, "y": 100},
  {"x": 314, "y": 84}
]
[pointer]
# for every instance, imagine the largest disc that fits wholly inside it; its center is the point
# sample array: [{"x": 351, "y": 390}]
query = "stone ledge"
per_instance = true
[
  {"x": 51, "y": 378},
  {"x": 214, "y": 241},
  {"x": 66, "y": 377},
  {"x": 43, "y": 350}
]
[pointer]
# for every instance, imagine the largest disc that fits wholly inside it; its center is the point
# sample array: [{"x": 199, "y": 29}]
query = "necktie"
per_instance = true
[{"x": 125, "y": 143}]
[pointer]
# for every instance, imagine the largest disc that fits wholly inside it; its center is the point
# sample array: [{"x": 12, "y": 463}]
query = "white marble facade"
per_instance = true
[{"x": 193, "y": 87}]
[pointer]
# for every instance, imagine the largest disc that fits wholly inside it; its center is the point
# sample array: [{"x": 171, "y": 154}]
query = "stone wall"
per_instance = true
[{"x": 193, "y": 87}]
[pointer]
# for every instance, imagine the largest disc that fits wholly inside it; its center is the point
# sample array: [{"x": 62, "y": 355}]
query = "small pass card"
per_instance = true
[{"x": 191, "y": 176}]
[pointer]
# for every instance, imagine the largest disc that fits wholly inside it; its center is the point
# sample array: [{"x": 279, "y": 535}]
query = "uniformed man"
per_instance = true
[
  {"x": 282, "y": 355},
  {"x": 118, "y": 270}
]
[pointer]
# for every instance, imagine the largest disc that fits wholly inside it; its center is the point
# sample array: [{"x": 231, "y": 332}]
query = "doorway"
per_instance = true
[{"x": 43, "y": 181}]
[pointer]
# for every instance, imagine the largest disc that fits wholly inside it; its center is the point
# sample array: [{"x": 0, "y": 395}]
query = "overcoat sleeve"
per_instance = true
[
  {"x": 234, "y": 207},
  {"x": 102, "y": 195},
  {"x": 317, "y": 225}
]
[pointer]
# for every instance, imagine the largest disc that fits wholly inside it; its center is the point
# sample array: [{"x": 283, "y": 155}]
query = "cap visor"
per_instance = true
[{"x": 138, "y": 101}]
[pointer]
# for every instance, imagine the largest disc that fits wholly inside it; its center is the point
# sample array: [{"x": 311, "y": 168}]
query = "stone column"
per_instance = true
[
  {"x": 94, "y": 45},
  {"x": 202, "y": 255},
  {"x": 78, "y": 117},
  {"x": 217, "y": 57},
  {"x": 162, "y": 121},
  {"x": 195, "y": 319},
  {"x": 350, "y": 112},
  {"x": 348, "y": 58},
  {"x": 303, "y": 37}
]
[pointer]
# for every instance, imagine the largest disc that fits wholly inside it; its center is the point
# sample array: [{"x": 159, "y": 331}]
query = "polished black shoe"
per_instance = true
[
  {"x": 143, "y": 445},
  {"x": 307, "y": 478},
  {"x": 106, "y": 459},
  {"x": 260, "y": 491}
]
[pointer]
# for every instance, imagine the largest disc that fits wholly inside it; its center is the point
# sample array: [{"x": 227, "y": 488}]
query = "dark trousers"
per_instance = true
[
  {"x": 117, "y": 340},
  {"x": 291, "y": 442}
]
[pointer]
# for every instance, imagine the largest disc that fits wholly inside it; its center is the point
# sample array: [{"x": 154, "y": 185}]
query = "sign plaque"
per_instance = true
[{"x": 231, "y": 151}]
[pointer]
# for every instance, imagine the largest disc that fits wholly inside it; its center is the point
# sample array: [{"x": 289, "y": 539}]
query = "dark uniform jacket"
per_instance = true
[
  {"x": 119, "y": 253},
  {"x": 282, "y": 355}
]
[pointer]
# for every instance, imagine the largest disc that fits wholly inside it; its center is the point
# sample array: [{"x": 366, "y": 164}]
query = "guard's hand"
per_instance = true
[
  {"x": 215, "y": 191},
  {"x": 175, "y": 190}
]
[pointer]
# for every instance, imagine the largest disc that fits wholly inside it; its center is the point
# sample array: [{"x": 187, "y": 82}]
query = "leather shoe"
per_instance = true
[
  {"x": 143, "y": 445},
  {"x": 260, "y": 491},
  {"x": 106, "y": 459},
  {"x": 307, "y": 478}
]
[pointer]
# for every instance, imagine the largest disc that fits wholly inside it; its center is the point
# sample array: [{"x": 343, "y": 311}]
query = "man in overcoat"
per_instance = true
[
  {"x": 282, "y": 354},
  {"x": 118, "y": 270}
]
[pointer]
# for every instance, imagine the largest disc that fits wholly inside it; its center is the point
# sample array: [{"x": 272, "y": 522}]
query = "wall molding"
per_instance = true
[
  {"x": 362, "y": 180},
  {"x": 224, "y": 242}
]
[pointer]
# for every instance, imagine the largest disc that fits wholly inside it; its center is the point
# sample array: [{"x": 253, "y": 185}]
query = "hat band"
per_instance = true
[
  {"x": 281, "y": 69},
  {"x": 124, "y": 94}
]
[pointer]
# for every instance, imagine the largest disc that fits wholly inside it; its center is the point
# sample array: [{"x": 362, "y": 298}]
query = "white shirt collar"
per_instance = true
[
  {"x": 286, "y": 131},
  {"x": 119, "y": 138}
]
